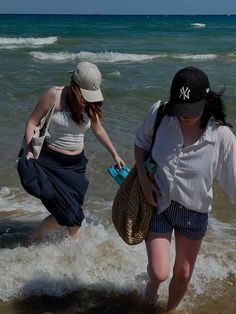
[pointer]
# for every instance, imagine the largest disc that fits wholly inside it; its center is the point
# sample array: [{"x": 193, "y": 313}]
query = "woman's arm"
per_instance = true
[
  {"x": 226, "y": 170},
  {"x": 102, "y": 136},
  {"x": 40, "y": 110},
  {"x": 150, "y": 190}
]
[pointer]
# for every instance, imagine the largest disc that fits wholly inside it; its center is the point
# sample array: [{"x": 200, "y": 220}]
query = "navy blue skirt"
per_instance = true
[{"x": 59, "y": 181}]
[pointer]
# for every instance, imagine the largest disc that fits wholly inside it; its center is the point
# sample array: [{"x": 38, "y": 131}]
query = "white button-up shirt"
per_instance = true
[{"x": 186, "y": 175}]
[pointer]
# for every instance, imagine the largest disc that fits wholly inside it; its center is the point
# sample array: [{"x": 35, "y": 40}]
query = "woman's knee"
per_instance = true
[
  {"x": 183, "y": 274},
  {"x": 158, "y": 273}
]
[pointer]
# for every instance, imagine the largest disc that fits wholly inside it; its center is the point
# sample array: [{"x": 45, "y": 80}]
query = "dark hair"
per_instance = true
[
  {"x": 77, "y": 105},
  {"x": 215, "y": 108}
]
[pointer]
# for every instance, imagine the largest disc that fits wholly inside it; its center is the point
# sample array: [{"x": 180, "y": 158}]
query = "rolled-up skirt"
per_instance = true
[{"x": 59, "y": 181}]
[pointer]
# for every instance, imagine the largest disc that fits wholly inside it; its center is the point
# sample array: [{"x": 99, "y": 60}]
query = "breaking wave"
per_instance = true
[
  {"x": 112, "y": 57},
  {"x": 21, "y": 42}
]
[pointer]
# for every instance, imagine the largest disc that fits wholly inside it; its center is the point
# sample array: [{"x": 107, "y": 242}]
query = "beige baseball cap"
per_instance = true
[{"x": 89, "y": 79}]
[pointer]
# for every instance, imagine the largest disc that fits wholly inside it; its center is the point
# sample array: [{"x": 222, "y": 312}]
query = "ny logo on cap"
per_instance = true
[{"x": 184, "y": 92}]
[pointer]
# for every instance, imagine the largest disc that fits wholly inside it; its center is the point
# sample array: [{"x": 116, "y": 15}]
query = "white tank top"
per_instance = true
[{"x": 65, "y": 133}]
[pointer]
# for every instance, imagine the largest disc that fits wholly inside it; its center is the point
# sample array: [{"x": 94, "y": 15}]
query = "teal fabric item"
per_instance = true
[
  {"x": 118, "y": 174},
  {"x": 150, "y": 165}
]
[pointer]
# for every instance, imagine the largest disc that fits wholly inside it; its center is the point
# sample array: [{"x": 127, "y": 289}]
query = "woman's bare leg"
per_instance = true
[
  {"x": 158, "y": 251},
  {"x": 186, "y": 254},
  {"x": 47, "y": 225}
]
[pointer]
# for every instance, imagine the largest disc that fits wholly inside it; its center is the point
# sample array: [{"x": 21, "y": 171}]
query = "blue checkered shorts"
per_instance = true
[{"x": 190, "y": 223}]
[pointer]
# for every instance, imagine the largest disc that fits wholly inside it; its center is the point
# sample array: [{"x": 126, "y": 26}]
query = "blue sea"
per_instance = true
[{"x": 138, "y": 56}]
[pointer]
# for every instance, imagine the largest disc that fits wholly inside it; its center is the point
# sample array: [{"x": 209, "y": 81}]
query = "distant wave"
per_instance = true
[
  {"x": 201, "y": 57},
  {"x": 109, "y": 57},
  {"x": 95, "y": 57},
  {"x": 21, "y": 42},
  {"x": 198, "y": 25}
]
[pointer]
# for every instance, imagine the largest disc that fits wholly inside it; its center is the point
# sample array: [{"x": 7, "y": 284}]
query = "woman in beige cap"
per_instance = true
[{"x": 57, "y": 177}]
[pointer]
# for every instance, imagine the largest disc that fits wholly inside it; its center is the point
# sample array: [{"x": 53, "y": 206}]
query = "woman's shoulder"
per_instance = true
[
  {"x": 54, "y": 89},
  {"x": 49, "y": 97},
  {"x": 50, "y": 93},
  {"x": 225, "y": 135}
]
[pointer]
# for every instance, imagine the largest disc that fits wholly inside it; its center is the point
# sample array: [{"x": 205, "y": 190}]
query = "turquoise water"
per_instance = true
[{"x": 138, "y": 56}]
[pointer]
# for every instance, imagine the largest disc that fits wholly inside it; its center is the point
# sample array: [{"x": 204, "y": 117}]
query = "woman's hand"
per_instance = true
[
  {"x": 150, "y": 191},
  {"x": 119, "y": 161},
  {"x": 29, "y": 155}
]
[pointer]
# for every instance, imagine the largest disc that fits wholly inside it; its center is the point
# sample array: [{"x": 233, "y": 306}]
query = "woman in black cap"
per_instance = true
[
  {"x": 193, "y": 146},
  {"x": 57, "y": 177}
]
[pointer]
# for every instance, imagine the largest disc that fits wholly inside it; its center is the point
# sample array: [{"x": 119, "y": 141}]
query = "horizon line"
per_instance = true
[{"x": 121, "y": 14}]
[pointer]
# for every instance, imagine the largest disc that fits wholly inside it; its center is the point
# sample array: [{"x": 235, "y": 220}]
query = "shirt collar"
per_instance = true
[{"x": 209, "y": 133}]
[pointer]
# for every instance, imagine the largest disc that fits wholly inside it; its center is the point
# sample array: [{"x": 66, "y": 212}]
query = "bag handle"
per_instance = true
[
  {"x": 150, "y": 163},
  {"x": 47, "y": 118},
  {"x": 54, "y": 102}
]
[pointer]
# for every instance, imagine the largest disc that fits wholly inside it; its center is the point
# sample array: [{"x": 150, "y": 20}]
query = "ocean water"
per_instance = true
[{"x": 138, "y": 56}]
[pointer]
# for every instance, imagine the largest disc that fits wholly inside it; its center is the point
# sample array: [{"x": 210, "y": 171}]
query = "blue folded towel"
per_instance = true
[{"x": 118, "y": 174}]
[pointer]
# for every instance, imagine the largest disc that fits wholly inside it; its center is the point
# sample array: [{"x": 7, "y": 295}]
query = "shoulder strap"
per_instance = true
[
  {"x": 46, "y": 120},
  {"x": 160, "y": 114},
  {"x": 54, "y": 102}
]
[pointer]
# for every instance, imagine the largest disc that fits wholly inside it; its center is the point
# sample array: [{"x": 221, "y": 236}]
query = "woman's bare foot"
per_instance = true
[
  {"x": 74, "y": 232},
  {"x": 151, "y": 293}
]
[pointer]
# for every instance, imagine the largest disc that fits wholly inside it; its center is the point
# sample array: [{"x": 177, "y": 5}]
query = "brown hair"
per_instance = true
[{"x": 78, "y": 105}]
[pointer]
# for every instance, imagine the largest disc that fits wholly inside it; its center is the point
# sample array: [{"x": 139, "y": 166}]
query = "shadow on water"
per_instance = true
[
  {"x": 13, "y": 233},
  {"x": 85, "y": 300}
]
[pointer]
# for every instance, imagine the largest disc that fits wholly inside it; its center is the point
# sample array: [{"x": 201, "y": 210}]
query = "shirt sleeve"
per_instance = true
[
  {"x": 144, "y": 132},
  {"x": 226, "y": 175}
]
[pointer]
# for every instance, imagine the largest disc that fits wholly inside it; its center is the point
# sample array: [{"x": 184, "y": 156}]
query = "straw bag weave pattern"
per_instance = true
[{"x": 131, "y": 214}]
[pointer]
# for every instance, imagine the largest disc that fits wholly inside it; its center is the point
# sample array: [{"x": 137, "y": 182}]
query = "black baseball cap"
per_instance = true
[{"x": 188, "y": 93}]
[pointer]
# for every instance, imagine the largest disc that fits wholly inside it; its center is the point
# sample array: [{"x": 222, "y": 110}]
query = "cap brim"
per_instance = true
[
  {"x": 91, "y": 95},
  {"x": 188, "y": 110}
]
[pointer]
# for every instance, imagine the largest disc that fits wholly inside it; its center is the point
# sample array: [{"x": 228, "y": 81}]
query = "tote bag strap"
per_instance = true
[
  {"x": 54, "y": 102},
  {"x": 49, "y": 114},
  {"x": 150, "y": 163}
]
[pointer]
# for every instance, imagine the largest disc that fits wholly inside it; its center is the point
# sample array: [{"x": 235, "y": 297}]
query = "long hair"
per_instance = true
[
  {"x": 77, "y": 105},
  {"x": 215, "y": 108}
]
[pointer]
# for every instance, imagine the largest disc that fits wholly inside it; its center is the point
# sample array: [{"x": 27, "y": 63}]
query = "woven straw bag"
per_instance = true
[{"x": 131, "y": 214}]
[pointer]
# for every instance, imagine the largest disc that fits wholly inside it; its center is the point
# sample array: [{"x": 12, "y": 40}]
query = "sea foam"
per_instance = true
[
  {"x": 201, "y": 57},
  {"x": 107, "y": 57},
  {"x": 198, "y": 25},
  {"x": 101, "y": 260},
  {"x": 113, "y": 57}
]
